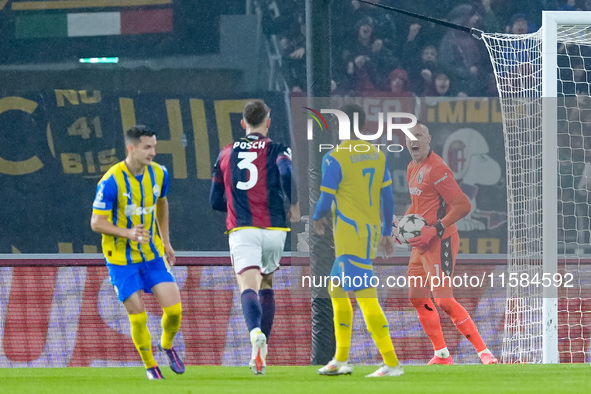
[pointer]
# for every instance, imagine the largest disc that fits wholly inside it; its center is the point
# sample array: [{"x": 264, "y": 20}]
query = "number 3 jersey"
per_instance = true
[{"x": 252, "y": 180}]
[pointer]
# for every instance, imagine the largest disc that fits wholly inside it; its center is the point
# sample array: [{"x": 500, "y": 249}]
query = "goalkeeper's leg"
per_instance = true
[
  {"x": 464, "y": 323},
  {"x": 420, "y": 298}
]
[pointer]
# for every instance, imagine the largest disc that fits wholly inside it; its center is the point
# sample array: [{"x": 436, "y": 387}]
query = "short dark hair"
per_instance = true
[
  {"x": 133, "y": 135},
  {"x": 350, "y": 109},
  {"x": 255, "y": 112}
]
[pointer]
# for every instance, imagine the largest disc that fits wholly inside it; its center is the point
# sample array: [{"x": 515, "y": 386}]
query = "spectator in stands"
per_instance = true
[
  {"x": 463, "y": 56},
  {"x": 520, "y": 24},
  {"x": 366, "y": 60},
  {"x": 416, "y": 39},
  {"x": 399, "y": 84},
  {"x": 568, "y": 5},
  {"x": 490, "y": 21},
  {"x": 293, "y": 54},
  {"x": 441, "y": 86},
  {"x": 385, "y": 25},
  {"x": 278, "y": 17},
  {"x": 504, "y": 9},
  {"x": 421, "y": 73}
]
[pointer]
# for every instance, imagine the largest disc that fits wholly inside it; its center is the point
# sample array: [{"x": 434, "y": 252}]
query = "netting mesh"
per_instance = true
[{"x": 517, "y": 62}]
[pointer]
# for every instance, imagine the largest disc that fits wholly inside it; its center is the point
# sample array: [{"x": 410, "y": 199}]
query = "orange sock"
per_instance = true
[
  {"x": 429, "y": 319},
  {"x": 464, "y": 323}
]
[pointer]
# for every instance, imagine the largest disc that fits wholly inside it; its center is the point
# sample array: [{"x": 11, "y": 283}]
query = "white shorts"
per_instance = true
[{"x": 256, "y": 248}]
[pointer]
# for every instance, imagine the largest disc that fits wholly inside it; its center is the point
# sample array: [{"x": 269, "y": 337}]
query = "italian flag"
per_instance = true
[{"x": 90, "y": 24}]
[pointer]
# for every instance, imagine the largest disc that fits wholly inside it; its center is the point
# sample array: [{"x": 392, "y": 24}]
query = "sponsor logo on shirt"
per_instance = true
[
  {"x": 415, "y": 191},
  {"x": 132, "y": 209},
  {"x": 444, "y": 177}
]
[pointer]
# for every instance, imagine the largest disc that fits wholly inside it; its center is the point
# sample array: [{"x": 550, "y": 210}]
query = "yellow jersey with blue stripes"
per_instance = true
[
  {"x": 127, "y": 201},
  {"x": 355, "y": 173}
]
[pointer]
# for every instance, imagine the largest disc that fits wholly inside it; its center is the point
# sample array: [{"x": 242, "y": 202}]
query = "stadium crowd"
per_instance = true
[
  {"x": 385, "y": 54},
  {"x": 374, "y": 50}
]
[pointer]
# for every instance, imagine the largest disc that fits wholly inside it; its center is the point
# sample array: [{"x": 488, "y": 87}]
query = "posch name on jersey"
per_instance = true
[{"x": 249, "y": 145}]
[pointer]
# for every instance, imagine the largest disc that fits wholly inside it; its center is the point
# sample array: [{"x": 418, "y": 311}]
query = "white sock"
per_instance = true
[
  {"x": 443, "y": 353},
  {"x": 484, "y": 351}
]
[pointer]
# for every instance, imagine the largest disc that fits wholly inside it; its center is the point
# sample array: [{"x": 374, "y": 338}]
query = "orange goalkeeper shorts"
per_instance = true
[{"x": 439, "y": 259}]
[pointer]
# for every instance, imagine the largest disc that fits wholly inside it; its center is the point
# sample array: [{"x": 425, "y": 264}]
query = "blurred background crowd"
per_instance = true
[{"x": 381, "y": 53}]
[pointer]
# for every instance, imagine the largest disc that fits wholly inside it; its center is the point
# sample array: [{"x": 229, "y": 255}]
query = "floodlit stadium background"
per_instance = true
[{"x": 186, "y": 68}]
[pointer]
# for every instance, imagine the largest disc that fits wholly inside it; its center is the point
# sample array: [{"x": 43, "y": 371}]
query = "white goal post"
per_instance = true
[{"x": 544, "y": 82}]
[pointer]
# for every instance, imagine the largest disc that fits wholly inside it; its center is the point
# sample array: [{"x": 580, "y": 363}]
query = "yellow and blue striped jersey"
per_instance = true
[
  {"x": 355, "y": 172},
  {"x": 127, "y": 201}
]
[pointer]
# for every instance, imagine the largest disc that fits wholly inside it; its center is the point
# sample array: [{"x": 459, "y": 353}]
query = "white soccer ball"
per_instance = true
[{"x": 409, "y": 227}]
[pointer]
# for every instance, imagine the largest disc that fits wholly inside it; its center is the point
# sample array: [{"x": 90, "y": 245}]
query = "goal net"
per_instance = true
[{"x": 544, "y": 87}]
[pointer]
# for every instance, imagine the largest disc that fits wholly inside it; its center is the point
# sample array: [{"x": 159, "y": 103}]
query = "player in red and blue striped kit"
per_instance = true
[{"x": 252, "y": 180}]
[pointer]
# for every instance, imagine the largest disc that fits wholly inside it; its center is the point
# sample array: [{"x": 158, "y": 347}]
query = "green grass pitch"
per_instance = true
[{"x": 282, "y": 380}]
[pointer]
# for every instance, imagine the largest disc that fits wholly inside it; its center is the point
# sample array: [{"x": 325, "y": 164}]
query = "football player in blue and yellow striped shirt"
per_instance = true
[
  {"x": 130, "y": 210},
  {"x": 355, "y": 185}
]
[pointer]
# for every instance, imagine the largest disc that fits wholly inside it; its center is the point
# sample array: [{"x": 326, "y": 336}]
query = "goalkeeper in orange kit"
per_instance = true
[{"x": 436, "y": 196}]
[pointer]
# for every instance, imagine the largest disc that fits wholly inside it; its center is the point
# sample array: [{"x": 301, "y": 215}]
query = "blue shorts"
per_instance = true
[
  {"x": 127, "y": 279},
  {"x": 353, "y": 273}
]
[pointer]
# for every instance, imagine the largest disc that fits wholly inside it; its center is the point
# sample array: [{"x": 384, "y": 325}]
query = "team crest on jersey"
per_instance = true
[
  {"x": 420, "y": 179},
  {"x": 156, "y": 190}
]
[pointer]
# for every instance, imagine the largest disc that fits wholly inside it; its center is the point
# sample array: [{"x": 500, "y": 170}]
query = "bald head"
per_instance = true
[
  {"x": 420, "y": 148},
  {"x": 420, "y": 127}
]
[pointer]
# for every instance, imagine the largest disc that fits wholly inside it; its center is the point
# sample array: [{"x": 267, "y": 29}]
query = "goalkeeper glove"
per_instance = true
[{"x": 427, "y": 235}]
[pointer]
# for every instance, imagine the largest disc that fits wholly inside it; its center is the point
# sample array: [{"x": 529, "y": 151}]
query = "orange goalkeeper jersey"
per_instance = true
[{"x": 432, "y": 186}]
